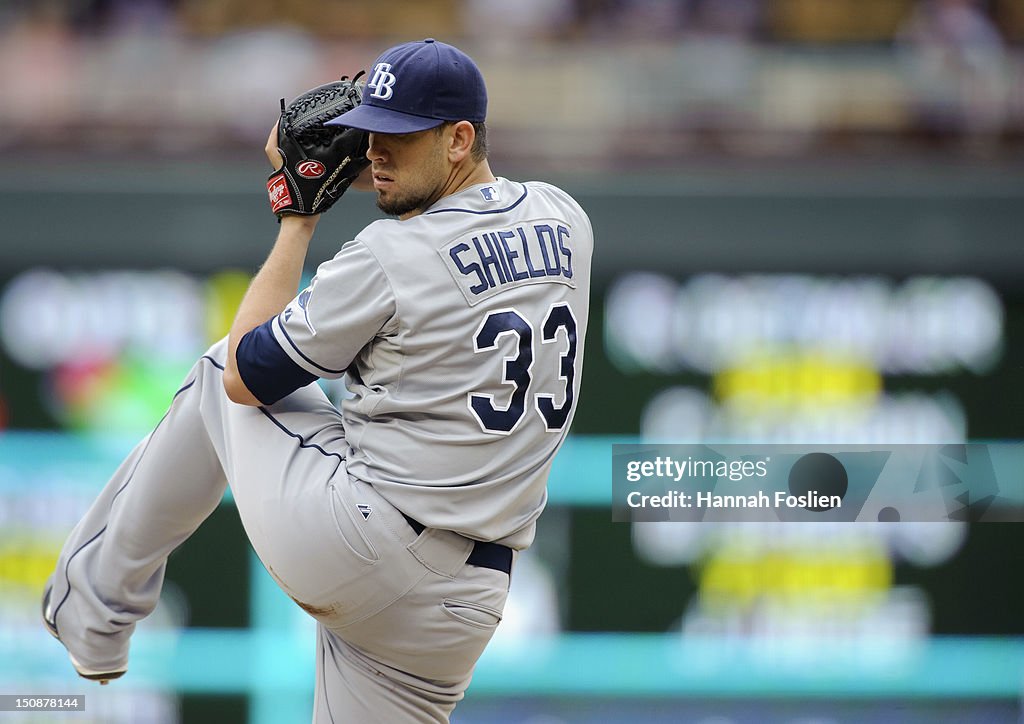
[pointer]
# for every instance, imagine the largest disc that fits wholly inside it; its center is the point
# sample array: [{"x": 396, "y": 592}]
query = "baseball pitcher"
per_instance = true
[{"x": 395, "y": 521}]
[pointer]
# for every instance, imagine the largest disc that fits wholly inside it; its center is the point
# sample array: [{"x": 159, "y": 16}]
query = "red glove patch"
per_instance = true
[{"x": 277, "y": 189}]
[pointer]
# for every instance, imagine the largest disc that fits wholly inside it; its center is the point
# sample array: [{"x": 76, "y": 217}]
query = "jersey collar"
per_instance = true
[{"x": 492, "y": 197}]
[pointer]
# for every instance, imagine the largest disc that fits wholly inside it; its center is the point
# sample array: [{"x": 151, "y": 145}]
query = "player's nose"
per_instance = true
[{"x": 375, "y": 151}]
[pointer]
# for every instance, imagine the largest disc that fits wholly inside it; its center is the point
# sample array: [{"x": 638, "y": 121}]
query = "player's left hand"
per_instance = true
[
  {"x": 314, "y": 164},
  {"x": 362, "y": 182},
  {"x": 273, "y": 154}
]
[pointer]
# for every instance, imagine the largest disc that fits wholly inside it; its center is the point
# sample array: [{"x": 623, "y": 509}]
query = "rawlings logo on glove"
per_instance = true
[
  {"x": 277, "y": 189},
  {"x": 310, "y": 169},
  {"x": 320, "y": 162}
]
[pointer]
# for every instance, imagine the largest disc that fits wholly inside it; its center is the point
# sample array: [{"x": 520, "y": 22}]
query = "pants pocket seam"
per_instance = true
[
  {"x": 337, "y": 500},
  {"x": 449, "y": 604}
]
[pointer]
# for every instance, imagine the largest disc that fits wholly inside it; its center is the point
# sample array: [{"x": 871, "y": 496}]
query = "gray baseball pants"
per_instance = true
[{"x": 402, "y": 619}]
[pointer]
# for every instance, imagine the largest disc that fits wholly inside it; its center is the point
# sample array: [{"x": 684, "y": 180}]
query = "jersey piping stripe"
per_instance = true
[
  {"x": 67, "y": 566},
  {"x": 302, "y": 441},
  {"x": 285, "y": 430},
  {"x": 300, "y": 353},
  {"x": 212, "y": 361},
  {"x": 488, "y": 211}
]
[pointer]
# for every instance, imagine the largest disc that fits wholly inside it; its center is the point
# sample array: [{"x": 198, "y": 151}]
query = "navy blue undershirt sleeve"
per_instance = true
[{"x": 267, "y": 371}]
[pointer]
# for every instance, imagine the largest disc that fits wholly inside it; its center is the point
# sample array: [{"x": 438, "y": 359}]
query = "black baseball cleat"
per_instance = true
[{"x": 104, "y": 677}]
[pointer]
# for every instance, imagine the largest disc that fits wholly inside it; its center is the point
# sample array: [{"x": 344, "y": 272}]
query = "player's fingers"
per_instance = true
[{"x": 273, "y": 155}]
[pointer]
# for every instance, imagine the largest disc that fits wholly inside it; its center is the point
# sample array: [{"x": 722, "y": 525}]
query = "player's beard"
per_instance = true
[
  {"x": 400, "y": 205},
  {"x": 416, "y": 199}
]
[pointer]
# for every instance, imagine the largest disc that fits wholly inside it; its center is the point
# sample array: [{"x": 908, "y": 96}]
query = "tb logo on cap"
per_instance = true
[{"x": 382, "y": 81}]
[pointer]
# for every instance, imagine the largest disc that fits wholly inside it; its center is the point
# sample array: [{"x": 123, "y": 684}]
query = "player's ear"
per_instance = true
[{"x": 461, "y": 142}]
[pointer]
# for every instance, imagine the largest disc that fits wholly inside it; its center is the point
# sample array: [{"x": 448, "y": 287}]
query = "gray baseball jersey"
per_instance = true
[{"x": 462, "y": 333}]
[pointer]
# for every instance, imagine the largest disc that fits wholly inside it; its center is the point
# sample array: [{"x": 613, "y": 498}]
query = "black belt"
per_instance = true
[{"x": 484, "y": 555}]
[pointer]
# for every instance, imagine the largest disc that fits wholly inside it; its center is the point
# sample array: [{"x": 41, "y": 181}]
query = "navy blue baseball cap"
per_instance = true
[{"x": 416, "y": 86}]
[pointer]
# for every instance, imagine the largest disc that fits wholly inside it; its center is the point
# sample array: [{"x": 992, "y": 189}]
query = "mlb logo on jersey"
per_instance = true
[{"x": 490, "y": 193}]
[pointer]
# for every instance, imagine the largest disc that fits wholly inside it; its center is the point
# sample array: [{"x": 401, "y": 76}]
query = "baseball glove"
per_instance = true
[{"x": 320, "y": 162}]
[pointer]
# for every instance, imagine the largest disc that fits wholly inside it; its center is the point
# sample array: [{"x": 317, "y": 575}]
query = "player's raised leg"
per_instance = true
[{"x": 110, "y": 571}]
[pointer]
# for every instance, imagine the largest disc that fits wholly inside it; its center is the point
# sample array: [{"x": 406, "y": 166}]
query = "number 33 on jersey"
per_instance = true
[
  {"x": 484, "y": 264},
  {"x": 462, "y": 332}
]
